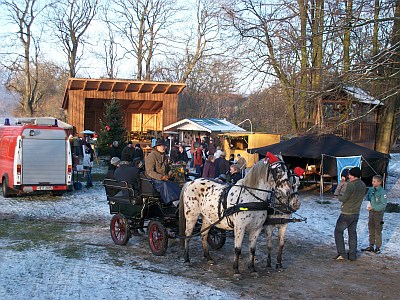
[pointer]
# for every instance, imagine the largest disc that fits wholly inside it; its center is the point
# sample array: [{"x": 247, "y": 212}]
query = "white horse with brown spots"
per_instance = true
[{"x": 241, "y": 207}]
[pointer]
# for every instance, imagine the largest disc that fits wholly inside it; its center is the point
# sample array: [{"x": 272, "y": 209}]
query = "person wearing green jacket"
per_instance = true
[
  {"x": 348, "y": 219},
  {"x": 377, "y": 198}
]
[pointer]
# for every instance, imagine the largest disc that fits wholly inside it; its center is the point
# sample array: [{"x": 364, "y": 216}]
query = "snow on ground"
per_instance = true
[{"x": 27, "y": 275}]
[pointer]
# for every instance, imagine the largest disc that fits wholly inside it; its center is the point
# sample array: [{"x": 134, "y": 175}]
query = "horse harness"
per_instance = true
[{"x": 264, "y": 204}]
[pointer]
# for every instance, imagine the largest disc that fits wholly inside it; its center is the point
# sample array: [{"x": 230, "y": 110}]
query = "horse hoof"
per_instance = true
[
  {"x": 187, "y": 263},
  {"x": 211, "y": 262},
  {"x": 237, "y": 276}
]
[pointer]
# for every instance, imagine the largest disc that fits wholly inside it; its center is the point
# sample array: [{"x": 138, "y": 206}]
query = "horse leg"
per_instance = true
[
  {"x": 281, "y": 236},
  {"x": 239, "y": 235},
  {"x": 204, "y": 243},
  {"x": 190, "y": 223},
  {"x": 253, "y": 236},
  {"x": 269, "y": 230}
]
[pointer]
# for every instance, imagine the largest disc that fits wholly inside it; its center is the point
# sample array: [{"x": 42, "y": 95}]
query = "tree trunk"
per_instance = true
[
  {"x": 387, "y": 123},
  {"x": 303, "y": 63},
  {"x": 317, "y": 15},
  {"x": 346, "y": 38}
]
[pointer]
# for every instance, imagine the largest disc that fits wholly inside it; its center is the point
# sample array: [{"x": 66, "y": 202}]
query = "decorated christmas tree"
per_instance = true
[{"x": 111, "y": 127}]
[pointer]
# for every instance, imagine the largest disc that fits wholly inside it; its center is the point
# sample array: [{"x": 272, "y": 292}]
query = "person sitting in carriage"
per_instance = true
[
  {"x": 157, "y": 168},
  {"x": 234, "y": 174},
  {"x": 130, "y": 174}
]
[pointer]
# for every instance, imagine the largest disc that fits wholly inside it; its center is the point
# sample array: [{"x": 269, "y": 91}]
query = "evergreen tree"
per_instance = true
[{"x": 111, "y": 127}]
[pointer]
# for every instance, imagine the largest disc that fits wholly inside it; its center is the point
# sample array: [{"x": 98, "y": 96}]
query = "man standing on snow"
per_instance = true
[{"x": 351, "y": 199}]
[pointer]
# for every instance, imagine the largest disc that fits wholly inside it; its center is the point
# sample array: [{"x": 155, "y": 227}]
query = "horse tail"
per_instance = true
[{"x": 182, "y": 219}]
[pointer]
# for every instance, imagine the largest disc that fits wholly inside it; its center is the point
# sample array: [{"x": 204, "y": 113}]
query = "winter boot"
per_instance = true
[{"x": 370, "y": 248}]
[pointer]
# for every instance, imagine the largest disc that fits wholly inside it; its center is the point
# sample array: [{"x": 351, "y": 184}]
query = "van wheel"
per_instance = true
[{"x": 5, "y": 189}]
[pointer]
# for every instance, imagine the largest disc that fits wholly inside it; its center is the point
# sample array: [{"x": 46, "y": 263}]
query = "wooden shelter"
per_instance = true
[{"x": 147, "y": 106}]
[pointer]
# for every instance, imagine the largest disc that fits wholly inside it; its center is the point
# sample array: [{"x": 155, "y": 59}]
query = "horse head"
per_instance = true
[{"x": 286, "y": 187}]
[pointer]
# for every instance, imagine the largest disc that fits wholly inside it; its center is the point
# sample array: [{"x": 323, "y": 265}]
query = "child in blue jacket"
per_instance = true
[{"x": 377, "y": 203}]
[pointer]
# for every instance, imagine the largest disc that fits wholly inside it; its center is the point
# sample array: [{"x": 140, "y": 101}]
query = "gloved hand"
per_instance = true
[{"x": 164, "y": 177}]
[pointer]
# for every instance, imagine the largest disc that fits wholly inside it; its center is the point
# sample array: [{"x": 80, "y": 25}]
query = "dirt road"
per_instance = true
[{"x": 309, "y": 272}]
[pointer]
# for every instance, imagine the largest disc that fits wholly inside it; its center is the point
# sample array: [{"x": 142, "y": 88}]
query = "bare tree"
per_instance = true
[
  {"x": 110, "y": 55},
  {"x": 141, "y": 23},
  {"x": 23, "y": 15},
  {"x": 71, "y": 19},
  {"x": 206, "y": 33}
]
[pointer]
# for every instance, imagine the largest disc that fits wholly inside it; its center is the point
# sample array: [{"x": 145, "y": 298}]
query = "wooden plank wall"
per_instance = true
[{"x": 76, "y": 108}]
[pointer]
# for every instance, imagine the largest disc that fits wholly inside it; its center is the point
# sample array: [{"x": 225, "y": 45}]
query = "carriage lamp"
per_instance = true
[{"x": 31, "y": 132}]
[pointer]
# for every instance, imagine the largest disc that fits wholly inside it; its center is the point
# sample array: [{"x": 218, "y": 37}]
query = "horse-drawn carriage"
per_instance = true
[
  {"x": 243, "y": 207},
  {"x": 134, "y": 213}
]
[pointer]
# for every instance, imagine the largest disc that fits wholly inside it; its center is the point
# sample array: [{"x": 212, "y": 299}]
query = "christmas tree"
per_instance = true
[{"x": 111, "y": 127}]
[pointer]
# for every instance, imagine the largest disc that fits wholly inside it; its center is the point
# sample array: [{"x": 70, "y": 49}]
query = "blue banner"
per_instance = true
[{"x": 346, "y": 163}]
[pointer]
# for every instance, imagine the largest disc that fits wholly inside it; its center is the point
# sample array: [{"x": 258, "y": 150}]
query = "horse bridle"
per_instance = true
[{"x": 272, "y": 199}]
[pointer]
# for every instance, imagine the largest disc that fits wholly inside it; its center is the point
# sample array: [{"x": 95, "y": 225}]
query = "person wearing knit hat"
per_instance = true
[
  {"x": 115, "y": 161},
  {"x": 114, "y": 164},
  {"x": 350, "y": 210}
]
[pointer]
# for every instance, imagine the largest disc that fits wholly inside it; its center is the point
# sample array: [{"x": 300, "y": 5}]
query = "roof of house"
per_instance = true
[
  {"x": 353, "y": 93},
  {"x": 361, "y": 95},
  {"x": 204, "y": 124},
  {"x": 120, "y": 85}
]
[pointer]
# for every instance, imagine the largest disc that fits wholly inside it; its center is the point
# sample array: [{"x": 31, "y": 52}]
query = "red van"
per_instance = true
[{"x": 34, "y": 158}]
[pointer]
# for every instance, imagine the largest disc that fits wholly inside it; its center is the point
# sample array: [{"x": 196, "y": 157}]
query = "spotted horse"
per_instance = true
[{"x": 241, "y": 207}]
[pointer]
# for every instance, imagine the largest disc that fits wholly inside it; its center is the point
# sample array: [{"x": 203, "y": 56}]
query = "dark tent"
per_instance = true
[{"x": 314, "y": 149}]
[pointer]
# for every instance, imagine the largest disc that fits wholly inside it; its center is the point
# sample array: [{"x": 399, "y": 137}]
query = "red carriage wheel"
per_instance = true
[
  {"x": 158, "y": 239},
  {"x": 119, "y": 229},
  {"x": 216, "y": 238}
]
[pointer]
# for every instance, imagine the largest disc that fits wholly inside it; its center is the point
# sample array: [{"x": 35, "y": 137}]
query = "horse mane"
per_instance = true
[{"x": 257, "y": 172}]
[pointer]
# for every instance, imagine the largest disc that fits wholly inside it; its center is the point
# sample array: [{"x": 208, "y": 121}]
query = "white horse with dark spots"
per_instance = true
[{"x": 241, "y": 207}]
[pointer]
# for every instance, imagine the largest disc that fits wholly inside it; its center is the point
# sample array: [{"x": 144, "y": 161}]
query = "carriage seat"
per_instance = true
[
  {"x": 121, "y": 191},
  {"x": 146, "y": 187}
]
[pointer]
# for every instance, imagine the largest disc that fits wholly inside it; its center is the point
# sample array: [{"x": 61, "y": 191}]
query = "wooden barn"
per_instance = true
[{"x": 148, "y": 106}]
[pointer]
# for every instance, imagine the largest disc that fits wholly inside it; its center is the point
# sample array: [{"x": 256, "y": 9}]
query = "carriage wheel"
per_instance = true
[
  {"x": 158, "y": 239},
  {"x": 119, "y": 230},
  {"x": 216, "y": 238}
]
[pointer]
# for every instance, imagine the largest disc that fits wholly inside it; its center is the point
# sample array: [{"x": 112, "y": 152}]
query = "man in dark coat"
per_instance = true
[
  {"x": 115, "y": 151},
  {"x": 351, "y": 203},
  {"x": 127, "y": 152},
  {"x": 221, "y": 165},
  {"x": 138, "y": 152},
  {"x": 130, "y": 174}
]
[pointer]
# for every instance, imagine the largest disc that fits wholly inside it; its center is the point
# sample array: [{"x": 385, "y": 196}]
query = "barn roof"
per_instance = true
[
  {"x": 361, "y": 95},
  {"x": 121, "y": 85},
  {"x": 205, "y": 124},
  {"x": 353, "y": 93}
]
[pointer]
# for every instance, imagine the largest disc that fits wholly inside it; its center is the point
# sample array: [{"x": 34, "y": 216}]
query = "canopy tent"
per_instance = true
[{"x": 322, "y": 150}]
